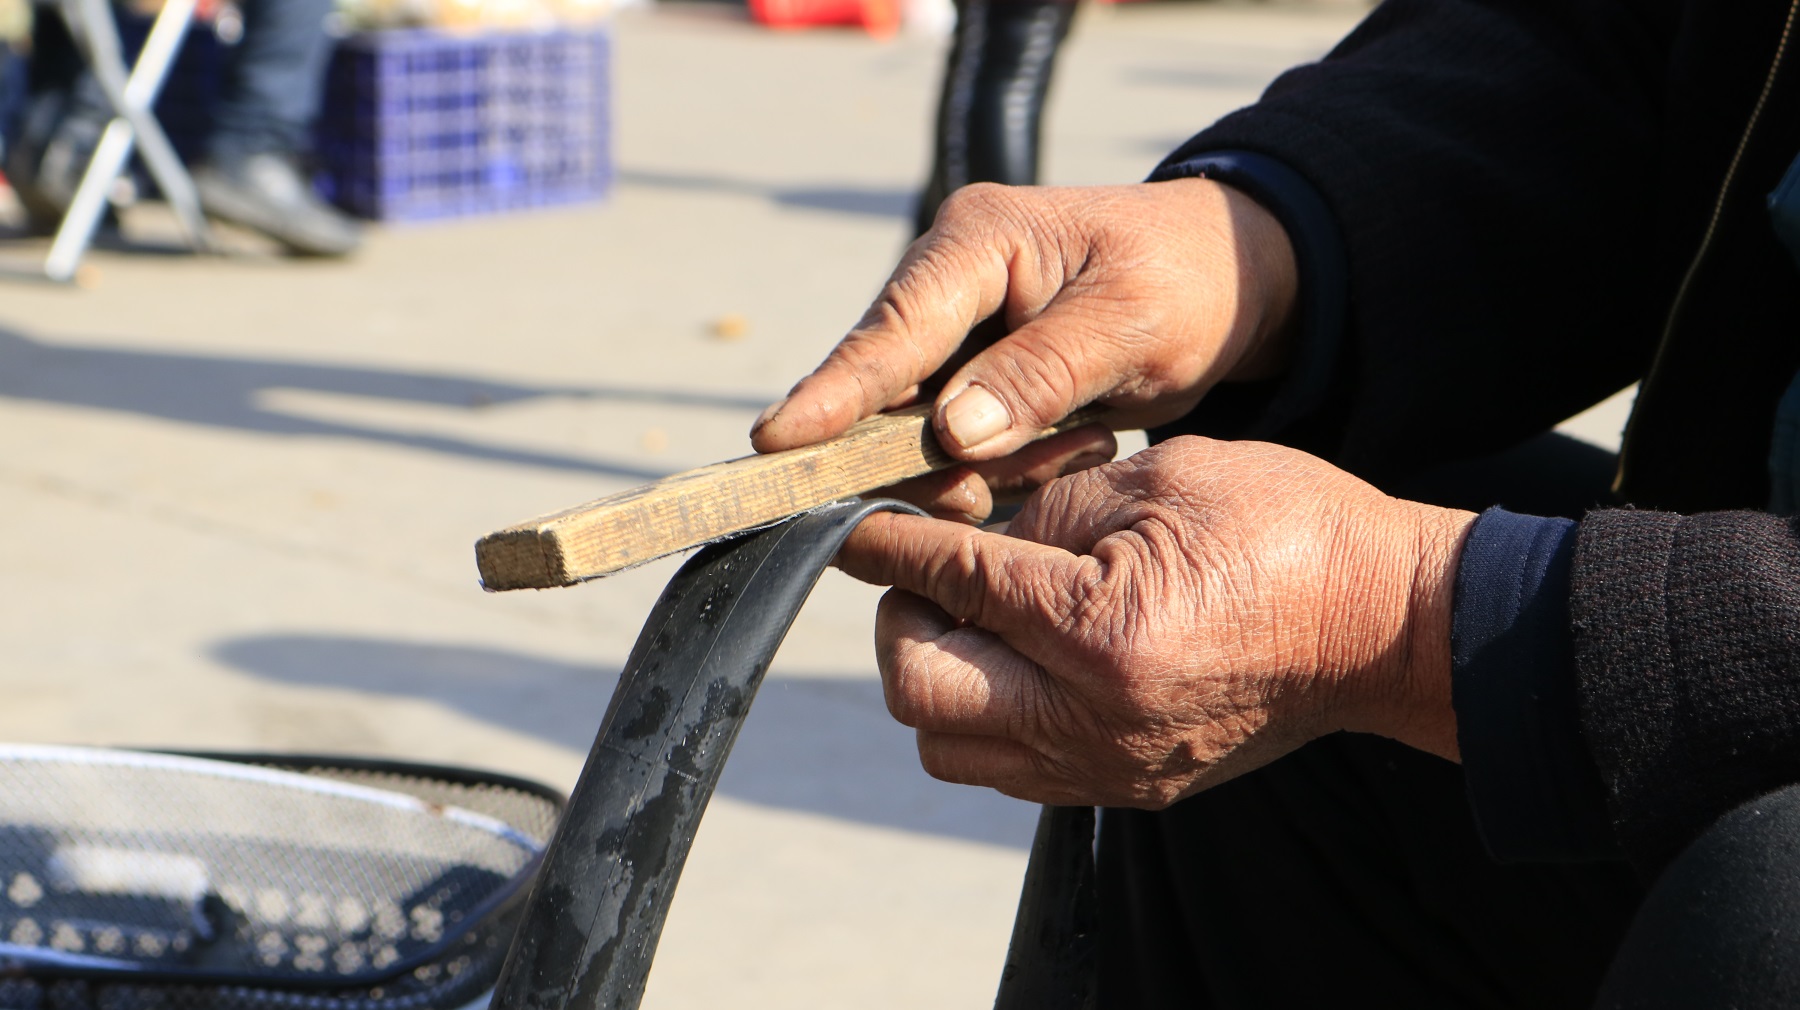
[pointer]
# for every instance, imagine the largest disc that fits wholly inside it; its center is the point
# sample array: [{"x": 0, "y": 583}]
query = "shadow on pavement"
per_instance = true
[
  {"x": 1249, "y": 77},
  {"x": 222, "y": 392},
  {"x": 819, "y": 746},
  {"x": 837, "y": 199}
]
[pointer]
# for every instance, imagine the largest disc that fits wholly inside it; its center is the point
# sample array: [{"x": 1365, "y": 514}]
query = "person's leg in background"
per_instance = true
[
  {"x": 63, "y": 115},
  {"x": 256, "y": 172},
  {"x": 1720, "y": 925},
  {"x": 992, "y": 102}
]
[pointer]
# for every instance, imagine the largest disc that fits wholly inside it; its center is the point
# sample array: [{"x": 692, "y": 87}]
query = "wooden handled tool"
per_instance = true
[{"x": 688, "y": 509}]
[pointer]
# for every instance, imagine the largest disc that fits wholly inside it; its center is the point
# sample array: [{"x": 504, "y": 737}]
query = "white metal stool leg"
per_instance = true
[{"x": 92, "y": 25}]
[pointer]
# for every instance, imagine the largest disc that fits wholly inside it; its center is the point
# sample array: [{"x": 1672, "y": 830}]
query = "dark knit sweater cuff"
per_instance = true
[
  {"x": 1533, "y": 786},
  {"x": 1687, "y": 652},
  {"x": 1260, "y": 410}
]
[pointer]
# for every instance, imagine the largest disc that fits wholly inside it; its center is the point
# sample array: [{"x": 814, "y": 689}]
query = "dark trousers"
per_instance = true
[
  {"x": 1347, "y": 874},
  {"x": 1721, "y": 928},
  {"x": 1350, "y": 872},
  {"x": 273, "y": 78},
  {"x": 1343, "y": 877}
]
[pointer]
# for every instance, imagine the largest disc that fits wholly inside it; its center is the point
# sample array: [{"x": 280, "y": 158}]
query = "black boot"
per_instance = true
[
  {"x": 59, "y": 125},
  {"x": 266, "y": 191},
  {"x": 48, "y": 156},
  {"x": 992, "y": 101}
]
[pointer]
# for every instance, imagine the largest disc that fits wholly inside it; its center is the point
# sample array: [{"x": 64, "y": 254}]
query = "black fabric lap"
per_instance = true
[
  {"x": 1349, "y": 873},
  {"x": 1718, "y": 928}
]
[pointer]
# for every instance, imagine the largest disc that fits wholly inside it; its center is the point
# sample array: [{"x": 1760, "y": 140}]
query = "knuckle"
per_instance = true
[
  {"x": 992, "y": 216},
  {"x": 1059, "y": 505},
  {"x": 1052, "y": 717},
  {"x": 904, "y": 688},
  {"x": 1050, "y": 775},
  {"x": 959, "y": 578},
  {"x": 938, "y": 284},
  {"x": 900, "y": 305},
  {"x": 1039, "y": 510},
  {"x": 876, "y": 359},
  {"x": 1043, "y": 375},
  {"x": 1091, "y": 608},
  {"x": 978, "y": 200},
  {"x": 1088, "y": 500}
]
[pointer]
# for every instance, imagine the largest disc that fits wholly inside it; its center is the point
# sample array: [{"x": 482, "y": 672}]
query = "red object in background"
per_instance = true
[{"x": 880, "y": 18}]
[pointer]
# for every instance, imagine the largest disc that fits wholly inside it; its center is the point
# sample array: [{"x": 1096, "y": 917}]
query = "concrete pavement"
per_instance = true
[{"x": 240, "y": 494}]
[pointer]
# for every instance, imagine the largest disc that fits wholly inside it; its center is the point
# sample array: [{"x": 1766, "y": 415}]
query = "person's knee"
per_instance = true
[{"x": 1721, "y": 926}]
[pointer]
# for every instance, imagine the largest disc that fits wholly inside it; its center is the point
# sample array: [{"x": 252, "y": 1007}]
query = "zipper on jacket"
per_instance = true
[{"x": 1706, "y": 240}]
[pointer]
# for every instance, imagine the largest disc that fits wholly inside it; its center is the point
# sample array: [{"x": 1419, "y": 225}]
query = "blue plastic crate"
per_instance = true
[
  {"x": 418, "y": 124},
  {"x": 422, "y": 124}
]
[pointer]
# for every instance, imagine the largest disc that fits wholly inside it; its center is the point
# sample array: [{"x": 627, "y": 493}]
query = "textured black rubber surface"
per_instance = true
[
  {"x": 597, "y": 909},
  {"x": 1051, "y": 962}
]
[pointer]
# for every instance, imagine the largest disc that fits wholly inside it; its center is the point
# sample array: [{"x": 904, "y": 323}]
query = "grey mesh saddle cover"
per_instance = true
[{"x": 165, "y": 866}]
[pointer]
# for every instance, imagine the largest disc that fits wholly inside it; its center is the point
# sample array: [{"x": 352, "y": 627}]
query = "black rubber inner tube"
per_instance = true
[{"x": 596, "y": 911}]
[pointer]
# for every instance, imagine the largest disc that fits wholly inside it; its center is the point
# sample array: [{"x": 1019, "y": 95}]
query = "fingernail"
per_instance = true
[
  {"x": 767, "y": 415},
  {"x": 975, "y": 415},
  {"x": 1085, "y": 461}
]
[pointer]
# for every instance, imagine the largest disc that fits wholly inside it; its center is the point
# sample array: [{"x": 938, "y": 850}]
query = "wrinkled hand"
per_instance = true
[
  {"x": 1139, "y": 297},
  {"x": 1158, "y": 625}
]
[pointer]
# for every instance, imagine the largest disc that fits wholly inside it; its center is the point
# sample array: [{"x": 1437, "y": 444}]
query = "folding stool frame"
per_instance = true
[{"x": 131, "y": 95}]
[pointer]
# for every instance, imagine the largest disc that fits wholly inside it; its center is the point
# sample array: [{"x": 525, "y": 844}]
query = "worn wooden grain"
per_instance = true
[{"x": 688, "y": 509}]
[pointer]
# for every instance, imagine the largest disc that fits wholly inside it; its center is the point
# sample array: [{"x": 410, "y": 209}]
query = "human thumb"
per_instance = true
[{"x": 1032, "y": 378}]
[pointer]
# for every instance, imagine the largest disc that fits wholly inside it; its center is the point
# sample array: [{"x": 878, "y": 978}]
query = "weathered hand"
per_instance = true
[
  {"x": 1158, "y": 625},
  {"x": 1140, "y": 297}
]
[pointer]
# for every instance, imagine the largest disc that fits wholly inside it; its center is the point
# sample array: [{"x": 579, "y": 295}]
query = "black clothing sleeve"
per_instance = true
[
  {"x": 1687, "y": 649},
  {"x": 1262, "y": 410},
  {"x": 1520, "y": 187},
  {"x": 1486, "y": 165}
]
